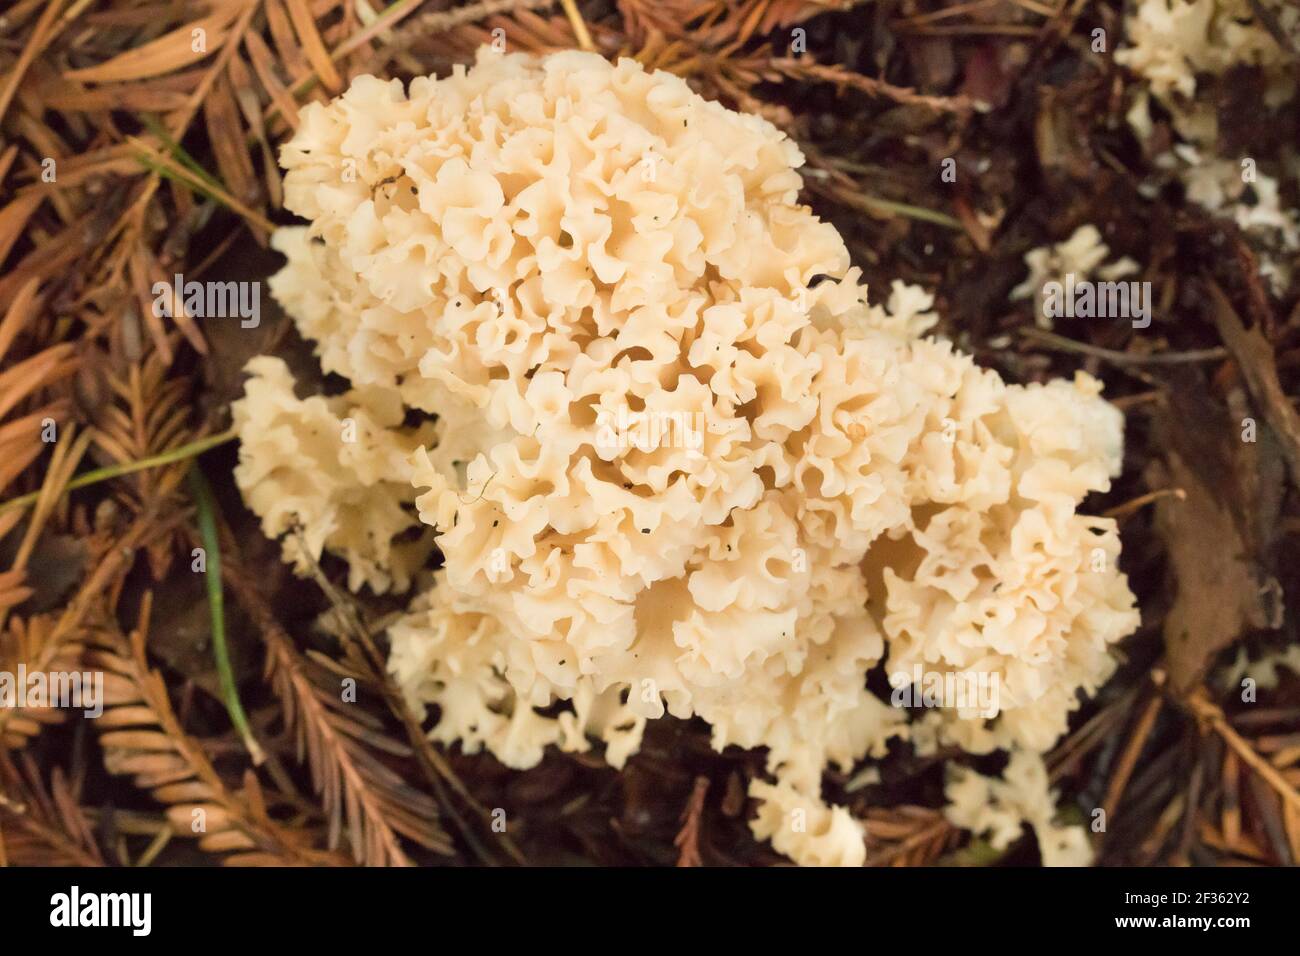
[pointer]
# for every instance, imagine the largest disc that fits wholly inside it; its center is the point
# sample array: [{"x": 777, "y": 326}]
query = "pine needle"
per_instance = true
[
  {"x": 204, "y": 184},
  {"x": 206, "y": 506},
  {"x": 116, "y": 471},
  {"x": 579, "y": 25},
  {"x": 875, "y": 204},
  {"x": 178, "y": 152}
]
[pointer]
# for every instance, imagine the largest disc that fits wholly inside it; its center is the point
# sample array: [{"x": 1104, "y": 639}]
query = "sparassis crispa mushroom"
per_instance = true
[{"x": 671, "y": 457}]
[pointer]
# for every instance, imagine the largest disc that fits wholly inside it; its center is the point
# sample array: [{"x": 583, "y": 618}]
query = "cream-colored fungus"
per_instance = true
[
  {"x": 1178, "y": 46},
  {"x": 680, "y": 465}
]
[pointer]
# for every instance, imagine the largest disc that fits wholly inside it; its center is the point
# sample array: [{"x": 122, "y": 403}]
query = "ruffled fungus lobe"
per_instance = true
[{"x": 670, "y": 470}]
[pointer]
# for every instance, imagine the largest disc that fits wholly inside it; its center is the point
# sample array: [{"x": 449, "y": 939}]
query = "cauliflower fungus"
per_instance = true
[
  {"x": 1177, "y": 47},
  {"x": 519, "y": 266},
  {"x": 1084, "y": 255}
]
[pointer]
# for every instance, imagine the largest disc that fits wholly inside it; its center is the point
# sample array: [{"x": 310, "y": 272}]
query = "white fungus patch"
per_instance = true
[{"x": 1175, "y": 47}]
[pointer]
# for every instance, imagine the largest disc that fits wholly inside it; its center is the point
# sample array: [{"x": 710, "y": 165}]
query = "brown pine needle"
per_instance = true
[
  {"x": 1062, "y": 344},
  {"x": 39, "y": 38},
  {"x": 1132, "y": 751},
  {"x": 1212, "y": 715},
  {"x": 1133, "y": 505},
  {"x": 688, "y": 837}
]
